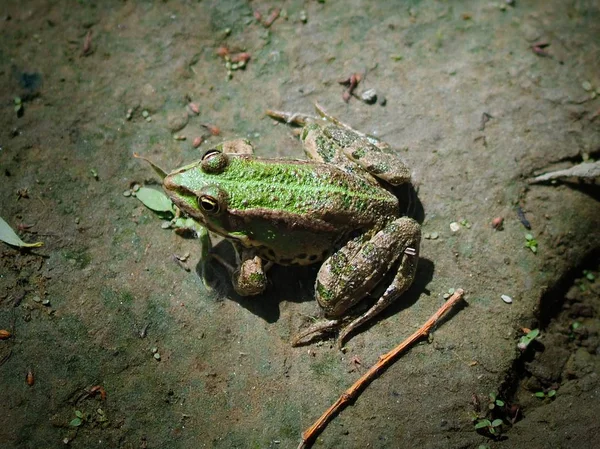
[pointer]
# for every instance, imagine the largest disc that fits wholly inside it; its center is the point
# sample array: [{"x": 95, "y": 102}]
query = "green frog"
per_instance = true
[{"x": 336, "y": 209}]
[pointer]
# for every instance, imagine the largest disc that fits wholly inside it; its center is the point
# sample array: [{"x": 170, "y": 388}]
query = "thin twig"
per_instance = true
[{"x": 384, "y": 361}]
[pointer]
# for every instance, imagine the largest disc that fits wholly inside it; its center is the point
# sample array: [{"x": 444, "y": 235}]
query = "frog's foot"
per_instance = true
[{"x": 316, "y": 329}]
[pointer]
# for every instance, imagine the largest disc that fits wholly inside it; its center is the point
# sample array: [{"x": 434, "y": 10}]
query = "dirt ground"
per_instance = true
[{"x": 476, "y": 97}]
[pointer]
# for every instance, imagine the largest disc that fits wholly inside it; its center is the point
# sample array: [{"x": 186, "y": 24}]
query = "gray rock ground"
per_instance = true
[{"x": 479, "y": 97}]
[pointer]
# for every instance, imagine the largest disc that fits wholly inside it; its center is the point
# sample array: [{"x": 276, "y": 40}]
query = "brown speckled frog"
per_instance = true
[{"x": 335, "y": 209}]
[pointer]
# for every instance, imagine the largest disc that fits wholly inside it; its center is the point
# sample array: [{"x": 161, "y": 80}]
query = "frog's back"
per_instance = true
[{"x": 297, "y": 211}]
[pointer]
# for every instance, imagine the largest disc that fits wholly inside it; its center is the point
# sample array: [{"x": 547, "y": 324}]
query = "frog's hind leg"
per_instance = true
[
  {"x": 360, "y": 267},
  {"x": 317, "y": 329},
  {"x": 402, "y": 280}
]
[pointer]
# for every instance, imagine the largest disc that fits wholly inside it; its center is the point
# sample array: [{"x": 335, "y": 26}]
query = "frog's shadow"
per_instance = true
[
  {"x": 286, "y": 283},
  {"x": 296, "y": 284}
]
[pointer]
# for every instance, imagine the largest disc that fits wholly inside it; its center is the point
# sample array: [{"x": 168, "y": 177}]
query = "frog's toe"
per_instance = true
[{"x": 316, "y": 329}]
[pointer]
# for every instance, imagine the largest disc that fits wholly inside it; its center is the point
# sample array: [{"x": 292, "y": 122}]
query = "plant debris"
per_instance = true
[{"x": 7, "y": 235}]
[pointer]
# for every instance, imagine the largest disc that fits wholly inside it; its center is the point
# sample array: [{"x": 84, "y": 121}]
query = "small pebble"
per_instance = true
[
  {"x": 145, "y": 114},
  {"x": 157, "y": 356},
  {"x": 197, "y": 141},
  {"x": 497, "y": 223},
  {"x": 154, "y": 350},
  {"x": 369, "y": 96},
  {"x": 176, "y": 121},
  {"x": 37, "y": 299},
  {"x": 587, "y": 86},
  {"x": 127, "y": 193},
  {"x": 165, "y": 224},
  {"x": 507, "y": 299},
  {"x": 136, "y": 187},
  {"x": 46, "y": 302},
  {"x": 454, "y": 226},
  {"x": 434, "y": 235}
]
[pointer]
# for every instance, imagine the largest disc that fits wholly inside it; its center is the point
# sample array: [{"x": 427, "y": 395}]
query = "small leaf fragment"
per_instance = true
[
  {"x": 483, "y": 423},
  {"x": 154, "y": 200},
  {"x": 7, "y": 235},
  {"x": 75, "y": 422}
]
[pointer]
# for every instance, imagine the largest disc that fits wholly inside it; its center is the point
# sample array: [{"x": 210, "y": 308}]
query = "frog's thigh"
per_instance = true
[{"x": 356, "y": 269}]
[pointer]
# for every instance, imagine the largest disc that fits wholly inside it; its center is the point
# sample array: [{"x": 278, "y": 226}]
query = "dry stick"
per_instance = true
[{"x": 384, "y": 361}]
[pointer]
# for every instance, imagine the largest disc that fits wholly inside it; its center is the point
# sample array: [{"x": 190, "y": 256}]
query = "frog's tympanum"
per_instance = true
[{"x": 335, "y": 209}]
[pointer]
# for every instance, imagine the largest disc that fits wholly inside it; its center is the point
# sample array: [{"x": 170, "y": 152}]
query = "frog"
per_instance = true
[{"x": 335, "y": 208}]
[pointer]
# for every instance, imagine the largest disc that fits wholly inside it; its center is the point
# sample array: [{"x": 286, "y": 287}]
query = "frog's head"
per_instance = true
[{"x": 195, "y": 189}]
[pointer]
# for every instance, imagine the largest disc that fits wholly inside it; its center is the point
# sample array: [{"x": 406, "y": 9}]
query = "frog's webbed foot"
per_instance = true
[{"x": 316, "y": 329}]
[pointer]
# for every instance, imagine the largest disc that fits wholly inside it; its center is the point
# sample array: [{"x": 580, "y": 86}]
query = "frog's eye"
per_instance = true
[
  {"x": 208, "y": 204},
  {"x": 212, "y": 200},
  {"x": 214, "y": 161}
]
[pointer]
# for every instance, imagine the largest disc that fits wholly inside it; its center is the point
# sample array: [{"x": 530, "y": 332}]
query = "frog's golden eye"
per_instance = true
[
  {"x": 208, "y": 204},
  {"x": 214, "y": 161},
  {"x": 212, "y": 200}
]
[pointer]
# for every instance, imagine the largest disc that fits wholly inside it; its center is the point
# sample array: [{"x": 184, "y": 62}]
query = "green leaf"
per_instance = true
[
  {"x": 533, "y": 334},
  {"x": 528, "y": 237},
  {"x": 492, "y": 396},
  {"x": 540, "y": 394},
  {"x": 7, "y": 235},
  {"x": 551, "y": 393},
  {"x": 78, "y": 414},
  {"x": 483, "y": 423},
  {"x": 590, "y": 276},
  {"x": 497, "y": 422},
  {"x": 76, "y": 422},
  {"x": 499, "y": 403},
  {"x": 154, "y": 200}
]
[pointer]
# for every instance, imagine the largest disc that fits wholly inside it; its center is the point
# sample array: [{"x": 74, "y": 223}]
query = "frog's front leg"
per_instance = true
[
  {"x": 356, "y": 269},
  {"x": 248, "y": 275}
]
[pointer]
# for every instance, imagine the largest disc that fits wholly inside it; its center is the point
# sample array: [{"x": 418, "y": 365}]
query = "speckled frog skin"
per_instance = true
[{"x": 335, "y": 209}]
